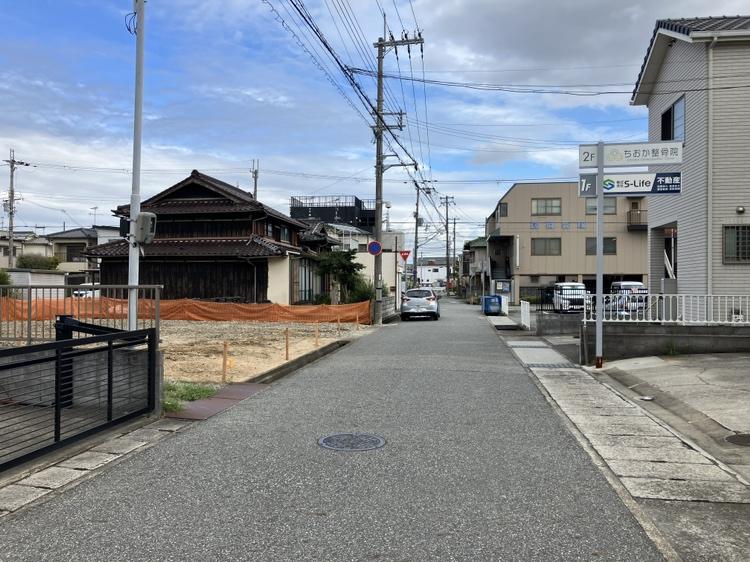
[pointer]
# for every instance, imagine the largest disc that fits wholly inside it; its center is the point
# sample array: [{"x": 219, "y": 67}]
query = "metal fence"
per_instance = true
[
  {"x": 28, "y": 313},
  {"x": 53, "y": 393},
  {"x": 551, "y": 299},
  {"x": 678, "y": 309}
]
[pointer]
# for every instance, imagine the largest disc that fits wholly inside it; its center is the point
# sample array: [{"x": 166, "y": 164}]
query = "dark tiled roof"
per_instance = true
[
  {"x": 235, "y": 200},
  {"x": 74, "y": 233},
  {"x": 252, "y": 247},
  {"x": 686, "y": 26},
  {"x": 721, "y": 23}
]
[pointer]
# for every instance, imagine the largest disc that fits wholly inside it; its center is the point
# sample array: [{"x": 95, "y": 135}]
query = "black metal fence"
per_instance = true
[
  {"x": 54, "y": 393},
  {"x": 555, "y": 299}
]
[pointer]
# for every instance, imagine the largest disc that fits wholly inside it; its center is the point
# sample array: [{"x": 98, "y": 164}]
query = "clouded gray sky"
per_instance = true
[{"x": 227, "y": 82}]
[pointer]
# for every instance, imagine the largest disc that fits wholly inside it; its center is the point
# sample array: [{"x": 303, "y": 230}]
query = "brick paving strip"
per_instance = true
[
  {"x": 651, "y": 461},
  {"x": 59, "y": 476}
]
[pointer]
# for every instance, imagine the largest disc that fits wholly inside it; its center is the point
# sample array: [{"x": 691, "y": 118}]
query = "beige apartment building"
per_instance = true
[{"x": 543, "y": 233}]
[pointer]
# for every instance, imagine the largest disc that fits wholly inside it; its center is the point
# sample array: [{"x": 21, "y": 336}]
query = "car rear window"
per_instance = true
[{"x": 419, "y": 293}]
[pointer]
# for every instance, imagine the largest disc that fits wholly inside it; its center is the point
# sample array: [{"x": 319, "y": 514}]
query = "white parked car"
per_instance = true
[
  {"x": 627, "y": 296},
  {"x": 568, "y": 297},
  {"x": 86, "y": 291}
]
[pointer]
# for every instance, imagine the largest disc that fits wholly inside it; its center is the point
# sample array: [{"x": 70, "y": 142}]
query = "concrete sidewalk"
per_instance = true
[
  {"x": 669, "y": 456},
  {"x": 704, "y": 397}
]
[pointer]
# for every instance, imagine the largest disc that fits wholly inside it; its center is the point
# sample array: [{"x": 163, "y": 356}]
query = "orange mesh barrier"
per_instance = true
[{"x": 182, "y": 309}]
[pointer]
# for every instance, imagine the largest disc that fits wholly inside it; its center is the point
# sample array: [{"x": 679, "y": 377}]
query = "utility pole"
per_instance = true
[
  {"x": 381, "y": 45},
  {"x": 447, "y": 200},
  {"x": 455, "y": 265},
  {"x": 416, "y": 235},
  {"x": 256, "y": 167},
  {"x": 135, "y": 196},
  {"x": 13, "y": 163}
]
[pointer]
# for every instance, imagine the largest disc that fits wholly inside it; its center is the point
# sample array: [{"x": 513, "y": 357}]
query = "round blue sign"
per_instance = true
[{"x": 374, "y": 248}]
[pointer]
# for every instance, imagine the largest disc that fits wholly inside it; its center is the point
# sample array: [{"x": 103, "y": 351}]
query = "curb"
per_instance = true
[{"x": 291, "y": 366}]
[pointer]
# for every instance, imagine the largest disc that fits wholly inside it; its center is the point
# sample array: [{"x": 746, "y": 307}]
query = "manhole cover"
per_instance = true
[
  {"x": 739, "y": 439},
  {"x": 351, "y": 441}
]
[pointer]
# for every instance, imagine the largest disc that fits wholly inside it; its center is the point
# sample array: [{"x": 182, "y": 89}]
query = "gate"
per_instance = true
[{"x": 54, "y": 393}]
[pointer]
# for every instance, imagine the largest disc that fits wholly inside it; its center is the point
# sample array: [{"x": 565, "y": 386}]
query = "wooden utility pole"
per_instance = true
[{"x": 11, "y": 205}]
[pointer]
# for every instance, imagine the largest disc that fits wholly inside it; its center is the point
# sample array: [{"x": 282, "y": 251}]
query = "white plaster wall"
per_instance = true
[{"x": 279, "y": 270}]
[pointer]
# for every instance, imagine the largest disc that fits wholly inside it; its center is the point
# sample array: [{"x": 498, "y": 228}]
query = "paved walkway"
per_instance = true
[{"x": 477, "y": 466}]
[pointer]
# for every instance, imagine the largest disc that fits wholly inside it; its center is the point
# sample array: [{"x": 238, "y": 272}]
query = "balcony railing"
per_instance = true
[{"x": 637, "y": 219}]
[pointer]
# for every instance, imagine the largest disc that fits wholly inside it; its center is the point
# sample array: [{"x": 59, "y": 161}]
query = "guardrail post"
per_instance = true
[
  {"x": 28, "y": 313},
  {"x": 110, "y": 377},
  {"x": 152, "y": 343}
]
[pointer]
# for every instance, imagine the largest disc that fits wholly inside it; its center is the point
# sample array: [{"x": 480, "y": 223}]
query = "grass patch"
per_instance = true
[{"x": 175, "y": 393}]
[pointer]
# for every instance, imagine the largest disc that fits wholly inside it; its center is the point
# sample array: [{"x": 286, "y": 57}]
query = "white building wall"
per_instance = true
[{"x": 279, "y": 271}]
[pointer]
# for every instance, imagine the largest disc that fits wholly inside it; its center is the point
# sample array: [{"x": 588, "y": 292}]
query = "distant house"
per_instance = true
[
  {"x": 215, "y": 241},
  {"x": 335, "y": 209},
  {"x": 542, "y": 233},
  {"x": 25, "y": 243},
  {"x": 694, "y": 81},
  {"x": 474, "y": 268},
  {"x": 70, "y": 246}
]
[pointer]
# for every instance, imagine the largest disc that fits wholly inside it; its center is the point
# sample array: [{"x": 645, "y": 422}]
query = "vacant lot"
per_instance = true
[{"x": 193, "y": 351}]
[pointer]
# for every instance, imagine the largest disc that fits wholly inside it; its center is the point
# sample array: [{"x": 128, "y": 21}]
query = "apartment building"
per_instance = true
[{"x": 542, "y": 233}]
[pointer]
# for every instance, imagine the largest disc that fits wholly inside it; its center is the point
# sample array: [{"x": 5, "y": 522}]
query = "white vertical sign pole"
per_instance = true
[{"x": 599, "y": 252}]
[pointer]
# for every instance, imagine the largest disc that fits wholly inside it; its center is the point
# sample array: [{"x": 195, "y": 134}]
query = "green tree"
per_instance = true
[
  {"x": 37, "y": 262},
  {"x": 342, "y": 267},
  {"x": 5, "y": 278}
]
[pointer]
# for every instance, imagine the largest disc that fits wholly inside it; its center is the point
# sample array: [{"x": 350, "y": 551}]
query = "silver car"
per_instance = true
[{"x": 420, "y": 302}]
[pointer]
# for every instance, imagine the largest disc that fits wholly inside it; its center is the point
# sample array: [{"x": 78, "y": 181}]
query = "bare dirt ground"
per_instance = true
[{"x": 193, "y": 351}]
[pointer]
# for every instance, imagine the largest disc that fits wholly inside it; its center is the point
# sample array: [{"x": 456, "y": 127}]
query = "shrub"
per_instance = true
[
  {"x": 322, "y": 298},
  {"x": 37, "y": 262},
  {"x": 363, "y": 290},
  {"x": 5, "y": 278}
]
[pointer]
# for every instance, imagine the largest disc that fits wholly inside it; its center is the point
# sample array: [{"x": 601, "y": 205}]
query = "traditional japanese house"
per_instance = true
[{"x": 215, "y": 241}]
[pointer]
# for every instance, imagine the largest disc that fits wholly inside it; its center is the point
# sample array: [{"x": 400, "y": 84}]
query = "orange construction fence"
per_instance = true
[{"x": 182, "y": 309}]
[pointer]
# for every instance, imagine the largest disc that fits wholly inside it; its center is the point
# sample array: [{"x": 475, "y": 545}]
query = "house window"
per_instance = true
[
  {"x": 502, "y": 210},
  {"x": 435, "y": 270},
  {"x": 285, "y": 234},
  {"x": 673, "y": 121},
  {"x": 610, "y": 246},
  {"x": 6, "y": 251},
  {"x": 546, "y": 206},
  {"x": 610, "y": 205},
  {"x": 269, "y": 230},
  {"x": 545, "y": 246},
  {"x": 737, "y": 244}
]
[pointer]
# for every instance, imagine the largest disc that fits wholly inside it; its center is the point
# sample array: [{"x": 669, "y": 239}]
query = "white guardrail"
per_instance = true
[
  {"x": 525, "y": 315},
  {"x": 678, "y": 309}
]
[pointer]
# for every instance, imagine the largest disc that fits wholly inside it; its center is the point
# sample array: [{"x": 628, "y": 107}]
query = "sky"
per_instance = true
[{"x": 229, "y": 81}]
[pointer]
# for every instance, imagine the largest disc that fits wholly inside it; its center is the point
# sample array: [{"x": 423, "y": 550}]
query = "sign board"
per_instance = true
[
  {"x": 405, "y": 254},
  {"x": 374, "y": 248},
  {"x": 632, "y": 154},
  {"x": 587, "y": 185},
  {"x": 646, "y": 183}
]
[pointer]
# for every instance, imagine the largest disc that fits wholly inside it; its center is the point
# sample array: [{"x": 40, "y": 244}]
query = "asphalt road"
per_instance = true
[{"x": 477, "y": 466}]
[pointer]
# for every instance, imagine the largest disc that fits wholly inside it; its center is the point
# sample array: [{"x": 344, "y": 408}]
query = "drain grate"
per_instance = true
[
  {"x": 739, "y": 439},
  {"x": 351, "y": 441}
]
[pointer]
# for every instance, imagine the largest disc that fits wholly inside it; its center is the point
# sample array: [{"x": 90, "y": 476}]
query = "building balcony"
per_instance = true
[{"x": 637, "y": 219}]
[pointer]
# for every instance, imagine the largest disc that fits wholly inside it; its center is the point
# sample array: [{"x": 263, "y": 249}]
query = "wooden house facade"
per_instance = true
[{"x": 215, "y": 241}]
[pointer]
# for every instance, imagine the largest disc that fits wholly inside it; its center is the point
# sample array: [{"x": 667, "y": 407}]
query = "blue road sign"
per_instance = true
[{"x": 374, "y": 248}]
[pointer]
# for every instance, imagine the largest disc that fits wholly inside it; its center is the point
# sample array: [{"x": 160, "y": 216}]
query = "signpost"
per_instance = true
[{"x": 600, "y": 184}]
